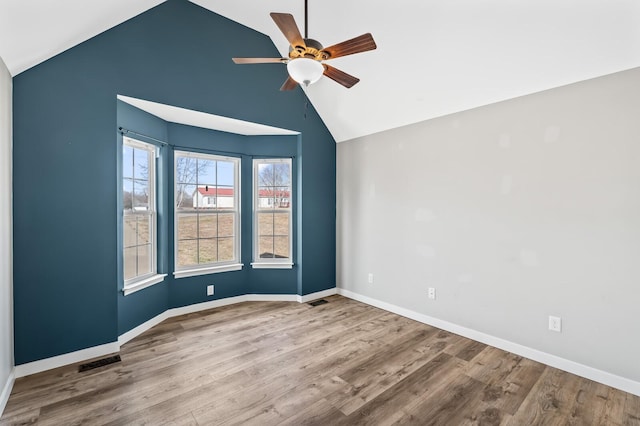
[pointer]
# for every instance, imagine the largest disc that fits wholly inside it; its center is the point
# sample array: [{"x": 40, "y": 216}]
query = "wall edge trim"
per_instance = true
[
  {"x": 136, "y": 331},
  {"x": 197, "y": 307},
  {"x": 317, "y": 295},
  {"x": 603, "y": 377},
  {"x": 39, "y": 366},
  {"x": 6, "y": 390},
  {"x": 45, "y": 364}
]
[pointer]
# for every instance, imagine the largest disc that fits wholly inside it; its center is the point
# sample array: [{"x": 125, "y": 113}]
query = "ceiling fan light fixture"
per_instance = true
[
  {"x": 306, "y": 56},
  {"x": 305, "y": 71}
]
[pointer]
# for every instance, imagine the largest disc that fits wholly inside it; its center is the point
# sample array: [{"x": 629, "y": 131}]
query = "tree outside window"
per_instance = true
[{"x": 272, "y": 206}]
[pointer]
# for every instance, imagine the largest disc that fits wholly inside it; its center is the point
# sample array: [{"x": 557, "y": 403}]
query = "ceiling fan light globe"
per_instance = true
[{"x": 305, "y": 71}]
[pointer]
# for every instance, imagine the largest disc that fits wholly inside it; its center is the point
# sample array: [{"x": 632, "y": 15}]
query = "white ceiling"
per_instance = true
[
  {"x": 205, "y": 120},
  {"x": 434, "y": 57}
]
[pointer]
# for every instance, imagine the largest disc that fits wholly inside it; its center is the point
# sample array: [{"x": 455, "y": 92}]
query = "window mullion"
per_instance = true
[
  {"x": 273, "y": 224},
  {"x": 137, "y": 245},
  {"x": 217, "y": 211},
  {"x": 197, "y": 207}
]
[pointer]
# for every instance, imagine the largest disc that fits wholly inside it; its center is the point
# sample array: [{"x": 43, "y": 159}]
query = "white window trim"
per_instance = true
[
  {"x": 208, "y": 268},
  {"x": 138, "y": 283},
  {"x": 272, "y": 265},
  {"x": 147, "y": 282},
  {"x": 184, "y": 273},
  {"x": 275, "y": 263}
]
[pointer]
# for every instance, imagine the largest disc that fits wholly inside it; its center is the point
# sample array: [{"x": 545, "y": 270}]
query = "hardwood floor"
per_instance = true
[{"x": 342, "y": 363}]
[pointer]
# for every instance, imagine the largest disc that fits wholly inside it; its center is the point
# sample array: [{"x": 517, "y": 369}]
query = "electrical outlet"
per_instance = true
[
  {"x": 555, "y": 324},
  {"x": 431, "y": 293},
  {"x": 370, "y": 278},
  {"x": 210, "y": 290}
]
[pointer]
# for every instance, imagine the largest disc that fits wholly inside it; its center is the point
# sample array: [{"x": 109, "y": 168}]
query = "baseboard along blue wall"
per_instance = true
[{"x": 67, "y": 270}]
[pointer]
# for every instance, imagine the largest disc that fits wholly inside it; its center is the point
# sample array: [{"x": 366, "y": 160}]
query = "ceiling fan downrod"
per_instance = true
[{"x": 306, "y": 19}]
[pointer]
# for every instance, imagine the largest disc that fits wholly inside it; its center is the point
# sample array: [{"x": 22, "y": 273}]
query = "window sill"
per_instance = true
[
  {"x": 209, "y": 270},
  {"x": 147, "y": 282},
  {"x": 269, "y": 265}
]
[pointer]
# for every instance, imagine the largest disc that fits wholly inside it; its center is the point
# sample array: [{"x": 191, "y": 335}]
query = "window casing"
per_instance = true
[
  {"x": 139, "y": 224},
  {"x": 207, "y": 214},
  {"x": 272, "y": 214}
]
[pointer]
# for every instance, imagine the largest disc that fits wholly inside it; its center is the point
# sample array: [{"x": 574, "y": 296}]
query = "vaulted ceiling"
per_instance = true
[{"x": 434, "y": 57}]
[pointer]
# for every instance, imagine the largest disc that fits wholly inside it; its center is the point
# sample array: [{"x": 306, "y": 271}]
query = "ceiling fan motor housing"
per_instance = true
[{"x": 313, "y": 50}]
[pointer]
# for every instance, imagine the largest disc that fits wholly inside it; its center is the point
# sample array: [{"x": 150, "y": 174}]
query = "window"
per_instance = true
[
  {"x": 272, "y": 213},
  {"x": 207, "y": 203},
  {"x": 139, "y": 227}
]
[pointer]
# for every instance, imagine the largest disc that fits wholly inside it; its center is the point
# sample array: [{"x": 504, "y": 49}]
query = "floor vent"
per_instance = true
[
  {"x": 99, "y": 363},
  {"x": 318, "y": 302}
]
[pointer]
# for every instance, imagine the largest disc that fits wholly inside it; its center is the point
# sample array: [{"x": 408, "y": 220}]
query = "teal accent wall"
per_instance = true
[{"x": 67, "y": 272}]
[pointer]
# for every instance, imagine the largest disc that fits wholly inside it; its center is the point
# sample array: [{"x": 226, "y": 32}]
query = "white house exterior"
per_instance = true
[
  {"x": 212, "y": 197},
  {"x": 268, "y": 197}
]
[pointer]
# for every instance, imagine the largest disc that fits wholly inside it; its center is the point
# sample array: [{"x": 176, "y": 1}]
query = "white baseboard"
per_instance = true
[
  {"x": 317, "y": 295},
  {"x": 582, "y": 370},
  {"x": 6, "y": 390},
  {"x": 609, "y": 379},
  {"x": 109, "y": 348},
  {"x": 271, "y": 298},
  {"x": 174, "y": 312},
  {"x": 134, "y": 332},
  {"x": 183, "y": 310},
  {"x": 65, "y": 359}
]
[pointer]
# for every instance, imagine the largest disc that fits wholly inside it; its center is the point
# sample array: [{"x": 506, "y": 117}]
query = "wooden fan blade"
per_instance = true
[
  {"x": 359, "y": 44},
  {"x": 288, "y": 26},
  {"x": 289, "y": 84},
  {"x": 341, "y": 77},
  {"x": 260, "y": 60}
]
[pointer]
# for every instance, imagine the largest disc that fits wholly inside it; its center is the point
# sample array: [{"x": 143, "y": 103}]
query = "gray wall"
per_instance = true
[
  {"x": 6, "y": 241},
  {"x": 513, "y": 212}
]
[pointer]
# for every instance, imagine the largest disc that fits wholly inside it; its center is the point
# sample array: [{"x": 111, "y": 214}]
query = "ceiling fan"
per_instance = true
[{"x": 305, "y": 62}]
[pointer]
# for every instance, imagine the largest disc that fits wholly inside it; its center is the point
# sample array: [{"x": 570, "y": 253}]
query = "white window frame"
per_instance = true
[
  {"x": 213, "y": 267},
  {"x": 153, "y": 277},
  {"x": 273, "y": 263}
]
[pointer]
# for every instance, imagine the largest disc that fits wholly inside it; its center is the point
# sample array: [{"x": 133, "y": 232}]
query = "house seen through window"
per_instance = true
[
  {"x": 272, "y": 212},
  {"x": 207, "y": 207}
]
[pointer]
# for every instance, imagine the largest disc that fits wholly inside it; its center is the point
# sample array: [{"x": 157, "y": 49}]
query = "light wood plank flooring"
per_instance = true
[{"x": 342, "y": 363}]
